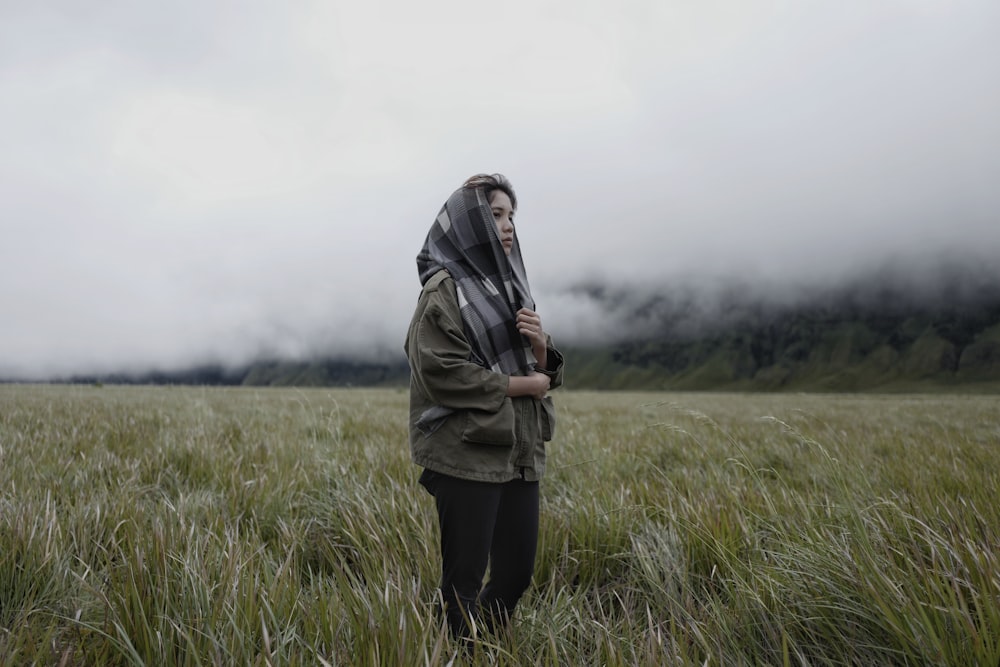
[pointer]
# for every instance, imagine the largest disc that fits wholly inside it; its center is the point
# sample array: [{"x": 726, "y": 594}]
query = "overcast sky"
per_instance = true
[{"x": 194, "y": 181}]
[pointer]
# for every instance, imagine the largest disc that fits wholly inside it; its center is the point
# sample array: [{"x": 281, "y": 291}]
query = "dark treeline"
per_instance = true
[{"x": 322, "y": 373}]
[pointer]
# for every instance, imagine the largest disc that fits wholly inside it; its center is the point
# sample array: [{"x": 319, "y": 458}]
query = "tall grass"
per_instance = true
[{"x": 190, "y": 526}]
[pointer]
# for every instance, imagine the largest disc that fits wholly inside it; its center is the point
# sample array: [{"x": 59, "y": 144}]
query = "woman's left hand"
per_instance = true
[{"x": 529, "y": 324}]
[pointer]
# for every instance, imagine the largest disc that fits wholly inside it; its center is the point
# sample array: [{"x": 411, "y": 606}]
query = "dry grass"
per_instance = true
[{"x": 190, "y": 526}]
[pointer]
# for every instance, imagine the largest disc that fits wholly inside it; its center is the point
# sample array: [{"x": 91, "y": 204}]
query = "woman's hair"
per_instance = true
[{"x": 490, "y": 182}]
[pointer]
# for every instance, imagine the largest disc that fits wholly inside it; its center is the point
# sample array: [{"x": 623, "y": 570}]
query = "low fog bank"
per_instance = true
[
  {"x": 593, "y": 313},
  {"x": 362, "y": 342}
]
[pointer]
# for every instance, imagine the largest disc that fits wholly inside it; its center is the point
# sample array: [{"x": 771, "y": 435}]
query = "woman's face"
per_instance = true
[{"x": 503, "y": 215}]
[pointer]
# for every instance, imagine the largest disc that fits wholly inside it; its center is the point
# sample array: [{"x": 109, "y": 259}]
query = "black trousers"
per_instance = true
[{"x": 484, "y": 524}]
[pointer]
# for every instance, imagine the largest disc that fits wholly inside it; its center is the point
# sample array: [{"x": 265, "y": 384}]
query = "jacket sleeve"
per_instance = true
[
  {"x": 440, "y": 354},
  {"x": 555, "y": 364}
]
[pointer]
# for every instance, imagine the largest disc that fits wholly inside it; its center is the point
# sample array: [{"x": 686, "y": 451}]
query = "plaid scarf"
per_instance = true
[{"x": 491, "y": 286}]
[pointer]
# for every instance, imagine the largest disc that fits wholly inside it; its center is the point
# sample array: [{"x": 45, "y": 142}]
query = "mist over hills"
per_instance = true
[
  {"x": 900, "y": 326},
  {"x": 886, "y": 330},
  {"x": 892, "y": 329}
]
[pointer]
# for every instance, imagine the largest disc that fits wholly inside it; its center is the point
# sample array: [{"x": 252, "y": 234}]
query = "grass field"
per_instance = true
[{"x": 195, "y": 526}]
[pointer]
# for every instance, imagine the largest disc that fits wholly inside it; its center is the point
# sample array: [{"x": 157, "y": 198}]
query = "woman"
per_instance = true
[{"x": 481, "y": 365}]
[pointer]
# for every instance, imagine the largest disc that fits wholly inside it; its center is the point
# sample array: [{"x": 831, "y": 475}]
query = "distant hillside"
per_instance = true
[
  {"x": 800, "y": 353},
  {"x": 872, "y": 335}
]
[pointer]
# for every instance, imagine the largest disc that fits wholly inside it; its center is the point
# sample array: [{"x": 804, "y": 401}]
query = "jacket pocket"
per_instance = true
[
  {"x": 547, "y": 415},
  {"x": 490, "y": 428}
]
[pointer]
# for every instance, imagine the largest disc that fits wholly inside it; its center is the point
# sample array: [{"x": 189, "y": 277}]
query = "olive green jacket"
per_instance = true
[{"x": 489, "y": 437}]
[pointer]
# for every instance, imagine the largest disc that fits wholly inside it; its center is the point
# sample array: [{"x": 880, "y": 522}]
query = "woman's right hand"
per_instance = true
[
  {"x": 542, "y": 382},
  {"x": 533, "y": 384}
]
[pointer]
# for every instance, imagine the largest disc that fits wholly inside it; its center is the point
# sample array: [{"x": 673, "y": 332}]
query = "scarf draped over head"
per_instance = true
[{"x": 492, "y": 287}]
